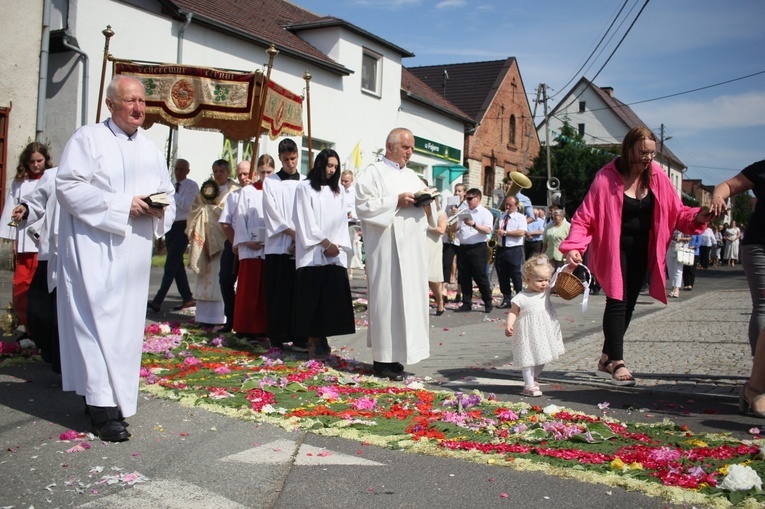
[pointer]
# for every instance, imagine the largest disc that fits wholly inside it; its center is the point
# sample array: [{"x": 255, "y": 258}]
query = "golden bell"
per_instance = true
[
  {"x": 9, "y": 321},
  {"x": 13, "y": 223}
]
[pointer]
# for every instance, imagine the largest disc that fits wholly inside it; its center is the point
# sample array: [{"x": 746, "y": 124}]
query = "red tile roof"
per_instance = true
[
  {"x": 471, "y": 86},
  {"x": 415, "y": 89},
  {"x": 279, "y": 22},
  {"x": 263, "y": 21}
]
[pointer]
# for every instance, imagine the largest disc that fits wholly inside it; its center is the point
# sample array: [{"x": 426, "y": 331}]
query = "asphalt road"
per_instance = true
[{"x": 690, "y": 358}]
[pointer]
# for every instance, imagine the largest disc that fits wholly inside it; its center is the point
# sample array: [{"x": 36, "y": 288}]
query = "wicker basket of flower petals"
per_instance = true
[{"x": 568, "y": 286}]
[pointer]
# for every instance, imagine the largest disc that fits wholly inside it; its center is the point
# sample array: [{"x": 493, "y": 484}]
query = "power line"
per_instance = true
[
  {"x": 626, "y": 17},
  {"x": 613, "y": 51},
  {"x": 593, "y": 51},
  {"x": 672, "y": 95},
  {"x": 621, "y": 40},
  {"x": 700, "y": 88}
]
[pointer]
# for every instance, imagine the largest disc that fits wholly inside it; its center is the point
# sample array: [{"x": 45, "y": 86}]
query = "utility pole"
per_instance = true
[
  {"x": 543, "y": 89},
  {"x": 662, "y": 139}
]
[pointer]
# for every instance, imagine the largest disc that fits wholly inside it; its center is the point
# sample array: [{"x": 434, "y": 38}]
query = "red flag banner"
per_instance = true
[
  {"x": 208, "y": 99},
  {"x": 283, "y": 112}
]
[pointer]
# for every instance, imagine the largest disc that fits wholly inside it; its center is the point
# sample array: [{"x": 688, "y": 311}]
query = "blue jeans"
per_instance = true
[
  {"x": 176, "y": 242},
  {"x": 753, "y": 259}
]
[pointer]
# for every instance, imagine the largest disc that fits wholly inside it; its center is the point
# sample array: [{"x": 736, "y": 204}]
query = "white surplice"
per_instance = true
[
  {"x": 105, "y": 260},
  {"x": 396, "y": 263},
  {"x": 25, "y": 241},
  {"x": 320, "y": 215},
  {"x": 44, "y": 210},
  {"x": 278, "y": 204},
  {"x": 249, "y": 224}
]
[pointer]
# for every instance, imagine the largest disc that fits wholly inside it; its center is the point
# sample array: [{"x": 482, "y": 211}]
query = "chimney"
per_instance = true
[{"x": 608, "y": 90}]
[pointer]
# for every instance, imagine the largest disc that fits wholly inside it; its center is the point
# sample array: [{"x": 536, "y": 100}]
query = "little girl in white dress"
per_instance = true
[{"x": 533, "y": 324}]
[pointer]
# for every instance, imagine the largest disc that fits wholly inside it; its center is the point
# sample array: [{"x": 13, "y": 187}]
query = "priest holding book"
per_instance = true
[
  {"x": 397, "y": 257},
  {"x": 106, "y": 233}
]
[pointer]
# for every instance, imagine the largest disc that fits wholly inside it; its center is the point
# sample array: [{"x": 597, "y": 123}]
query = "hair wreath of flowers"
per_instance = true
[{"x": 210, "y": 190}]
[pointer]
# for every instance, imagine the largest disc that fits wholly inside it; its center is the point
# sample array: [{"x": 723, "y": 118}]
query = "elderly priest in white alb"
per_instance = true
[
  {"x": 106, "y": 233},
  {"x": 397, "y": 258}
]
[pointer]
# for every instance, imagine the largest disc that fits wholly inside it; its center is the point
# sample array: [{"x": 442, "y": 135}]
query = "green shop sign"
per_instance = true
[{"x": 434, "y": 149}]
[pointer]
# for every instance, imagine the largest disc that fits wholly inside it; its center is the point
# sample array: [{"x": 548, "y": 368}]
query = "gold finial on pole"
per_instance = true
[
  {"x": 108, "y": 34},
  {"x": 307, "y": 78},
  {"x": 271, "y": 51}
]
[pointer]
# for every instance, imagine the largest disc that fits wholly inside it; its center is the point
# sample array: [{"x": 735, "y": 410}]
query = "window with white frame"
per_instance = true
[
  {"x": 371, "y": 72},
  {"x": 316, "y": 147}
]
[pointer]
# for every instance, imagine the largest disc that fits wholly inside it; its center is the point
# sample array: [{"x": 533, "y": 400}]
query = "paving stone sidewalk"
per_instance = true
[{"x": 696, "y": 345}]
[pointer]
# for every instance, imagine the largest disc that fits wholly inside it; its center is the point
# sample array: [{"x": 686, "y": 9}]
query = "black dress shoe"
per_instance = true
[
  {"x": 387, "y": 372},
  {"x": 153, "y": 307},
  {"x": 439, "y": 313},
  {"x": 464, "y": 308},
  {"x": 397, "y": 367},
  {"x": 111, "y": 430},
  {"x": 488, "y": 308}
]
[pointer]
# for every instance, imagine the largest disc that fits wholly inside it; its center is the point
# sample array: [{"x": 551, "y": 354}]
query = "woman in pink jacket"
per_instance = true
[{"x": 627, "y": 219}]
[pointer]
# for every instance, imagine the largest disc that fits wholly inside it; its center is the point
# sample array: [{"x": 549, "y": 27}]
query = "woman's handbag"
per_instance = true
[{"x": 685, "y": 254}]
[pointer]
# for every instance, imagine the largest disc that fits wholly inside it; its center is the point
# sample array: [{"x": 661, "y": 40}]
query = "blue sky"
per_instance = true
[{"x": 673, "y": 47}]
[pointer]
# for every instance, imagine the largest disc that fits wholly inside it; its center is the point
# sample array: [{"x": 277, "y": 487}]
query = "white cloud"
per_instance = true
[
  {"x": 448, "y": 4},
  {"x": 722, "y": 112}
]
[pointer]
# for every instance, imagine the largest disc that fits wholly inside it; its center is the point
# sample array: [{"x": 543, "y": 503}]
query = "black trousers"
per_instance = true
[
  {"x": 42, "y": 319},
  {"x": 704, "y": 252},
  {"x": 471, "y": 264},
  {"x": 633, "y": 257},
  {"x": 176, "y": 242},
  {"x": 689, "y": 273},
  {"x": 227, "y": 280},
  {"x": 279, "y": 276},
  {"x": 508, "y": 263},
  {"x": 450, "y": 251},
  {"x": 532, "y": 247}
]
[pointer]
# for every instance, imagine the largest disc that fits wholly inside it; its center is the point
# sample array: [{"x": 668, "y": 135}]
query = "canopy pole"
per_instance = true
[
  {"x": 271, "y": 52},
  {"x": 108, "y": 34},
  {"x": 307, "y": 78}
]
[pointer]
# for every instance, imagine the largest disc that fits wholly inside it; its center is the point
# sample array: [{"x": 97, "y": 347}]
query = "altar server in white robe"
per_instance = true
[
  {"x": 41, "y": 205},
  {"x": 323, "y": 305},
  {"x": 106, "y": 233},
  {"x": 278, "y": 203},
  {"x": 249, "y": 240},
  {"x": 396, "y": 258}
]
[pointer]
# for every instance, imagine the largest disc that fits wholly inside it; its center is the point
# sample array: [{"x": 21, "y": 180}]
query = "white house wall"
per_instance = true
[
  {"x": 340, "y": 112},
  {"x": 601, "y": 125},
  {"x": 20, "y": 29}
]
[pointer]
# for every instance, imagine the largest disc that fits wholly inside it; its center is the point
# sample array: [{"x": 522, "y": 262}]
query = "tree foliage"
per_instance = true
[
  {"x": 742, "y": 207},
  {"x": 573, "y": 163}
]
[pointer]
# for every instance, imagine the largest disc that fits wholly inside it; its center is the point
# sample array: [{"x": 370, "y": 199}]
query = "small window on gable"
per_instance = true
[
  {"x": 512, "y": 130},
  {"x": 582, "y": 106},
  {"x": 371, "y": 72},
  {"x": 581, "y": 129}
]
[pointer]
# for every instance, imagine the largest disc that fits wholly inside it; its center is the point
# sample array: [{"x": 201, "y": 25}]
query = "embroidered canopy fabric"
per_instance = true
[{"x": 215, "y": 100}]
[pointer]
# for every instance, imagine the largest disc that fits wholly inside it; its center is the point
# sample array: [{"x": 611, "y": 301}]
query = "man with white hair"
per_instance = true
[
  {"x": 397, "y": 258},
  {"x": 108, "y": 222}
]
